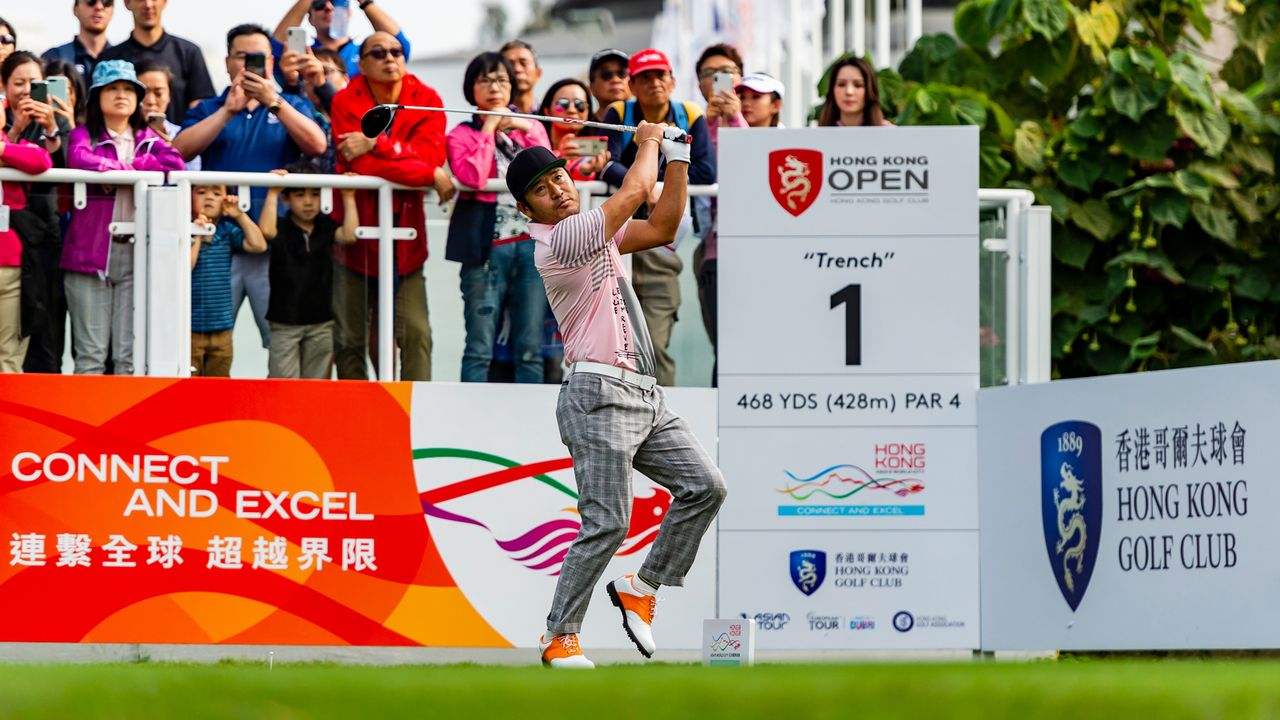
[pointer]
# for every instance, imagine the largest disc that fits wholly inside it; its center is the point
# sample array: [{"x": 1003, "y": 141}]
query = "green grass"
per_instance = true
[{"x": 1069, "y": 689}]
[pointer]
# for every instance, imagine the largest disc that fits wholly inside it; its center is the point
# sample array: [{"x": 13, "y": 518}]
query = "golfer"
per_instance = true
[{"x": 611, "y": 412}]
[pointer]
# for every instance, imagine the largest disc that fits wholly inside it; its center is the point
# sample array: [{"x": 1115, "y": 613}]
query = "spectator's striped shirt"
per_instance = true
[{"x": 211, "y": 309}]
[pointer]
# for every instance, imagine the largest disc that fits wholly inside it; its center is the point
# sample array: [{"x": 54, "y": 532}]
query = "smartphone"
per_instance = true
[
  {"x": 591, "y": 145},
  {"x": 156, "y": 121},
  {"x": 256, "y": 63},
  {"x": 297, "y": 41},
  {"x": 721, "y": 82},
  {"x": 58, "y": 88},
  {"x": 40, "y": 91}
]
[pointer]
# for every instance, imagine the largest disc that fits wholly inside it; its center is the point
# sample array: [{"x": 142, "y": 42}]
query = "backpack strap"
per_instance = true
[{"x": 628, "y": 118}]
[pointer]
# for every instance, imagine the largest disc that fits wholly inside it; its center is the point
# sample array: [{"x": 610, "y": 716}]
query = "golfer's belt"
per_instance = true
[{"x": 644, "y": 382}]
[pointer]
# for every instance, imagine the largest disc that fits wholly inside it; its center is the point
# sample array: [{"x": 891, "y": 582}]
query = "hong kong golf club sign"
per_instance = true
[{"x": 795, "y": 177}]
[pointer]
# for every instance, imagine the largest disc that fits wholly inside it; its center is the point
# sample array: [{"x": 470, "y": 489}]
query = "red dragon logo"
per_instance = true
[{"x": 795, "y": 177}]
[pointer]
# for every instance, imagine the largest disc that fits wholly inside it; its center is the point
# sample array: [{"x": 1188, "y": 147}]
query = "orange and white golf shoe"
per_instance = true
[
  {"x": 637, "y": 612},
  {"x": 563, "y": 651}
]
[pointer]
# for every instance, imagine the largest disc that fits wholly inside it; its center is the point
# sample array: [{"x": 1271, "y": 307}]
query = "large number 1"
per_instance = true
[{"x": 851, "y": 297}]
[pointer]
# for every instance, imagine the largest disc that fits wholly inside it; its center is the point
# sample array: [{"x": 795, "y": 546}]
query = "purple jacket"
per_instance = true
[{"x": 88, "y": 241}]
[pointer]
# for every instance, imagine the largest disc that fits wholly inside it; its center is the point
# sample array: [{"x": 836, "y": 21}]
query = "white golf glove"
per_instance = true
[{"x": 675, "y": 145}]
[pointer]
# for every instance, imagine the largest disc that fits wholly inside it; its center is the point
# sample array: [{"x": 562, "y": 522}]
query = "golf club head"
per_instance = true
[{"x": 377, "y": 120}]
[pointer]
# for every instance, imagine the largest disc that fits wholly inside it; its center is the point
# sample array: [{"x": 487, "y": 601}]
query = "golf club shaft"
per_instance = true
[{"x": 544, "y": 118}]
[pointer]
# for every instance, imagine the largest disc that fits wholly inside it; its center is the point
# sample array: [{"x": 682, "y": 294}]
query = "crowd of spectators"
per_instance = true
[{"x": 148, "y": 103}]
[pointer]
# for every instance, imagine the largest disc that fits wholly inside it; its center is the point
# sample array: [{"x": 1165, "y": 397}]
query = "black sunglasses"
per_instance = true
[
  {"x": 7, "y": 39},
  {"x": 578, "y": 104},
  {"x": 608, "y": 75},
  {"x": 381, "y": 53},
  {"x": 91, "y": 3},
  {"x": 318, "y": 4}
]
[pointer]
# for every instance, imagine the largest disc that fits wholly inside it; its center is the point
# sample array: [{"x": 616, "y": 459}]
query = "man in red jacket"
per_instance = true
[{"x": 412, "y": 153}]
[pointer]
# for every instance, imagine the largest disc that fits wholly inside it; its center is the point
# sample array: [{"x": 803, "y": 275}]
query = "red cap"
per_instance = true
[{"x": 646, "y": 60}]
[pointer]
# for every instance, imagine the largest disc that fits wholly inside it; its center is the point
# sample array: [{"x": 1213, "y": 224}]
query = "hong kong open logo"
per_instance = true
[
  {"x": 795, "y": 177},
  {"x": 1071, "y": 503}
]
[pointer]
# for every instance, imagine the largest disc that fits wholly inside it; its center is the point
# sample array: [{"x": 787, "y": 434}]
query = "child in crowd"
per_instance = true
[
  {"x": 211, "y": 310},
  {"x": 99, "y": 264},
  {"x": 487, "y": 234},
  {"x": 300, "y": 310}
]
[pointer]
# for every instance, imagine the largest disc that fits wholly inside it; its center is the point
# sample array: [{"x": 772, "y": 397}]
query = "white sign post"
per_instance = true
[{"x": 848, "y": 321}]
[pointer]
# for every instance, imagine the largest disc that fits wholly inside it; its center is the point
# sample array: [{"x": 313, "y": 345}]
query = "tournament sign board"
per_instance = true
[{"x": 848, "y": 272}]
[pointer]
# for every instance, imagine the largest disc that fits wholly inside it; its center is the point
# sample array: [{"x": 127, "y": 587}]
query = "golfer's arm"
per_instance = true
[
  {"x": 660, "y": 229},
  {"x": 640, "y": 179}
]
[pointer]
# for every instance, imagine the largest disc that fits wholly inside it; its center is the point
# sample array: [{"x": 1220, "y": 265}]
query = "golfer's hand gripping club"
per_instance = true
[{"x": 676, "y": 145}]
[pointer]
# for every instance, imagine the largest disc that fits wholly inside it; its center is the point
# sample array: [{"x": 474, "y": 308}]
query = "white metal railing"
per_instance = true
[{"x": 164, "y": 232}]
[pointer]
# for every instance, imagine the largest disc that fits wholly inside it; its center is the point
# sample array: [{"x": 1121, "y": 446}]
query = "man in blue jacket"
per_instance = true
[{"x": 656, "y": 273}]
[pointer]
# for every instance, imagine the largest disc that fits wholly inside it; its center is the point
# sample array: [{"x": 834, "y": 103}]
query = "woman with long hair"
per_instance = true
[
  {"x": 853, "y": 95},
  {"x": 99, "y": 265},
  {"x": 73, "y": 109},
  {"x": 571, "y": 99}
]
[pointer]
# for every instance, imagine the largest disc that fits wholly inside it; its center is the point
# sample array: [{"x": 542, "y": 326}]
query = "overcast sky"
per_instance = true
[{"x": 432, "y": 26}]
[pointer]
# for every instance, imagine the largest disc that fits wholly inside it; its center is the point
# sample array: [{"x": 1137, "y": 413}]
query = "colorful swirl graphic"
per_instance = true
[
  {"x": 835, "y": 484},
  {"x": 543, "y": 547},
  {"x": 723, "y": 642}
]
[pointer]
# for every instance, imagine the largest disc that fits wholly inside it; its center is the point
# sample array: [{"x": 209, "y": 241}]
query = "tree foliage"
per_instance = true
[{"x": 1161, "y": 179}]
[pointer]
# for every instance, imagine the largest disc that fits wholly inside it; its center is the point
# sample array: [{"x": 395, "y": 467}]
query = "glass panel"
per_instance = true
[{"x": 993, "y": 274}]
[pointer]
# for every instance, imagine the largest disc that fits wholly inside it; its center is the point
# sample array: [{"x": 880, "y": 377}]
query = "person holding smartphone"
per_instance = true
[
  {"x": 570, "y": 98},
  {"x": 251, "y": 127},
  {"x": 487, "y": 234},
  {"x": 320, "y": 14},
  {"x": 14, "y": 333},
  {"x": 158, "y": 80}
]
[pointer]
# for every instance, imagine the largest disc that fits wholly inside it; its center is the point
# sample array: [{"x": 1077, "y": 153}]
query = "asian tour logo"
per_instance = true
[
  {"x": 812, "y": 495},
  {"x": 1071, "y": 503},
  {"x": 795, "y": 177},
  {"x": 542, "y": 547},
  {"x": 808, "y": 570}
]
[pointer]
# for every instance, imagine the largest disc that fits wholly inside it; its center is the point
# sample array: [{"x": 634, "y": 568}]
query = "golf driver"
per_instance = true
[{"x": 379, "y": 118}]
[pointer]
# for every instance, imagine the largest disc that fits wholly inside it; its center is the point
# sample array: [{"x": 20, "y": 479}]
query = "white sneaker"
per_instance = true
[
  {"x": 563, "y": 651},
  {"x": 637, "y": 612}
]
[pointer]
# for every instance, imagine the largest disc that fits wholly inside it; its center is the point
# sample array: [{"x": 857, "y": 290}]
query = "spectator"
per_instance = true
[
  {"x": 231, "y": 133},
  {"x": 41, "y": 230},
  {"x": 98, "y": 264},
  {"x": 853, "y": 95},
  {"x": 524, "y": 61},
  {"x": 487, "y": 234},
  {"x": 8, "y": 40},
  {"x": 72, "y": 111},
  {"x": 411, "y": 152},
  {"x": 608, "y": 76},
  {"x": 320, "y": 79},
  {"x": 149, "y": 41},
  {"x": 301, "y": 310},
  {"x": 723, "y": 109},
  {"x": 656, "y": 273},
  {"x": 335, "y": 75},
  {"x": 320, "y": 15},
  {"x": 82, "y": 52},
  {"x": 157, "y": 79},
  {"x": 570, "y": 98},
  {"x": 761, "y": 98},
  {"x": 33, "y": 160},
  {"x": 212, "y": 316}
]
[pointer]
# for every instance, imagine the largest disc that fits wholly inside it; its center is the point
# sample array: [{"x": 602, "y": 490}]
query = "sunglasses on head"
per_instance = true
[
  {"x": 608, "y": 75},
  {"x": 381, "y": 53},
  {"x": 563, "y": 104}
]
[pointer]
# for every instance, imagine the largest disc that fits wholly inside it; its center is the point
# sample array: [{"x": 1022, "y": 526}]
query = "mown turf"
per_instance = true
[{"x": 1069, "y": 689}]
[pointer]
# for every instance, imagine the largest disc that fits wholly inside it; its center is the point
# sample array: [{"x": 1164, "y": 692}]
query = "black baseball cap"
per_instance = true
[
  {"x": 604, "y": 56},
  {"x": 531, "y": 164}
]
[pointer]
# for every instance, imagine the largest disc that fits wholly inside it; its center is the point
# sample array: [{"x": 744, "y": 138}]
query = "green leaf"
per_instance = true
[
  {"x": 1050, "y": 62},
  {"x": 1257, "y": 157},
  {"x": 1189, "y": 338},
  {"x": 1150, "y": 139},
  {"x": 1271, "y": 66},
  {"x": 1190, "y": 183},
  {"x": 1216, "y": 173},
  {"x": 1208, "y": 128},
  {"x": 1072, "y": 248},
  {"x": 1170, "y": 209},
  {"x": 1079, "y": 173},
  {"x": 1086, "y": 125},
  {"x": 1245, "y": 208},
  {"x": 1145, "y": 346},
  {"x": 992, "y": 167},
  {"x": 1098, "y": 29},
  {"x": 1243, "y": 109},
  {"x": 1047, "y": 17},
  {"x": 1217, "y": 222},
  {"x": 1253, "y": 284},
  {"x": 1028, "y": 145},
  {"x": 1134, "y": 99},
  {"x": 971, "y": 24},
  {"x": 924, "y": 101},
  {"x": 1047, "y": 193},
  {"x": 1122, "y": 61},
  {"x": 1150, "y": 259},
  {"x": 1194, "y": 84},
  {"x": 1095, "y": 217},
  {"x": 1242, "y": 69},
  {"x": 999, "y": 12},
  {"x": 970, "y": 111}
]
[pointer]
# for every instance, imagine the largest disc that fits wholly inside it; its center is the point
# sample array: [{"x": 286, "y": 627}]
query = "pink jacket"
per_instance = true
[
  {"x": 472, "y": 153},
  {"x": 88, "y": 242},
  {"x": 32, "y": 160}
]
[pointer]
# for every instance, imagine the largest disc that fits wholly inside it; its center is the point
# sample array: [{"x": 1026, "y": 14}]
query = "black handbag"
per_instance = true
[{"x": 471, "y": 231}]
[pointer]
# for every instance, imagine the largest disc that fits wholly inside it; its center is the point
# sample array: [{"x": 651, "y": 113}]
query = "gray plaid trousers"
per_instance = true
[{"x": 610, "y": 427}]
